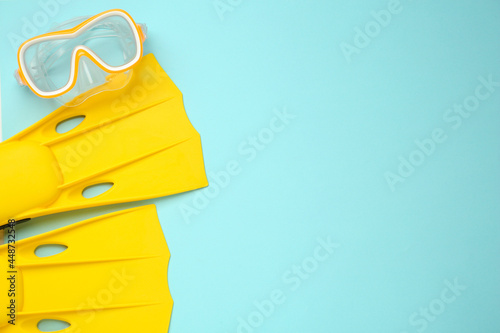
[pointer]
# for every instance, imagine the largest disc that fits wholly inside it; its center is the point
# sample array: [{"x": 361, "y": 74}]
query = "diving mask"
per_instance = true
[{"x": 83, "y": 57}]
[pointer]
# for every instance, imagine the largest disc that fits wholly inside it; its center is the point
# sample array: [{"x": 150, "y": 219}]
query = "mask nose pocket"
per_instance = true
[{"x": 89, "y": 75}]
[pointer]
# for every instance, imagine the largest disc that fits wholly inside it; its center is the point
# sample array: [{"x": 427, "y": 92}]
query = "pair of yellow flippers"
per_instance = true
[{"x": 137, "y": 140}]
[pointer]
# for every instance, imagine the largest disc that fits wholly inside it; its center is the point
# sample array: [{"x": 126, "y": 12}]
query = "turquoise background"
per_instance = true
[{"x": 422, "y": 255}]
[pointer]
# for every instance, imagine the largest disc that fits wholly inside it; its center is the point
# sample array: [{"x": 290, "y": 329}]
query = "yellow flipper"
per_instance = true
[
  {"x": 111, "y": 278},
  {"x": 138, "y": 138}
]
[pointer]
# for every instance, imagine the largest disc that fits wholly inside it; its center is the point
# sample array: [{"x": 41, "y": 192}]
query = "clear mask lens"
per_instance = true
[{"x": 111, "y": 41}]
